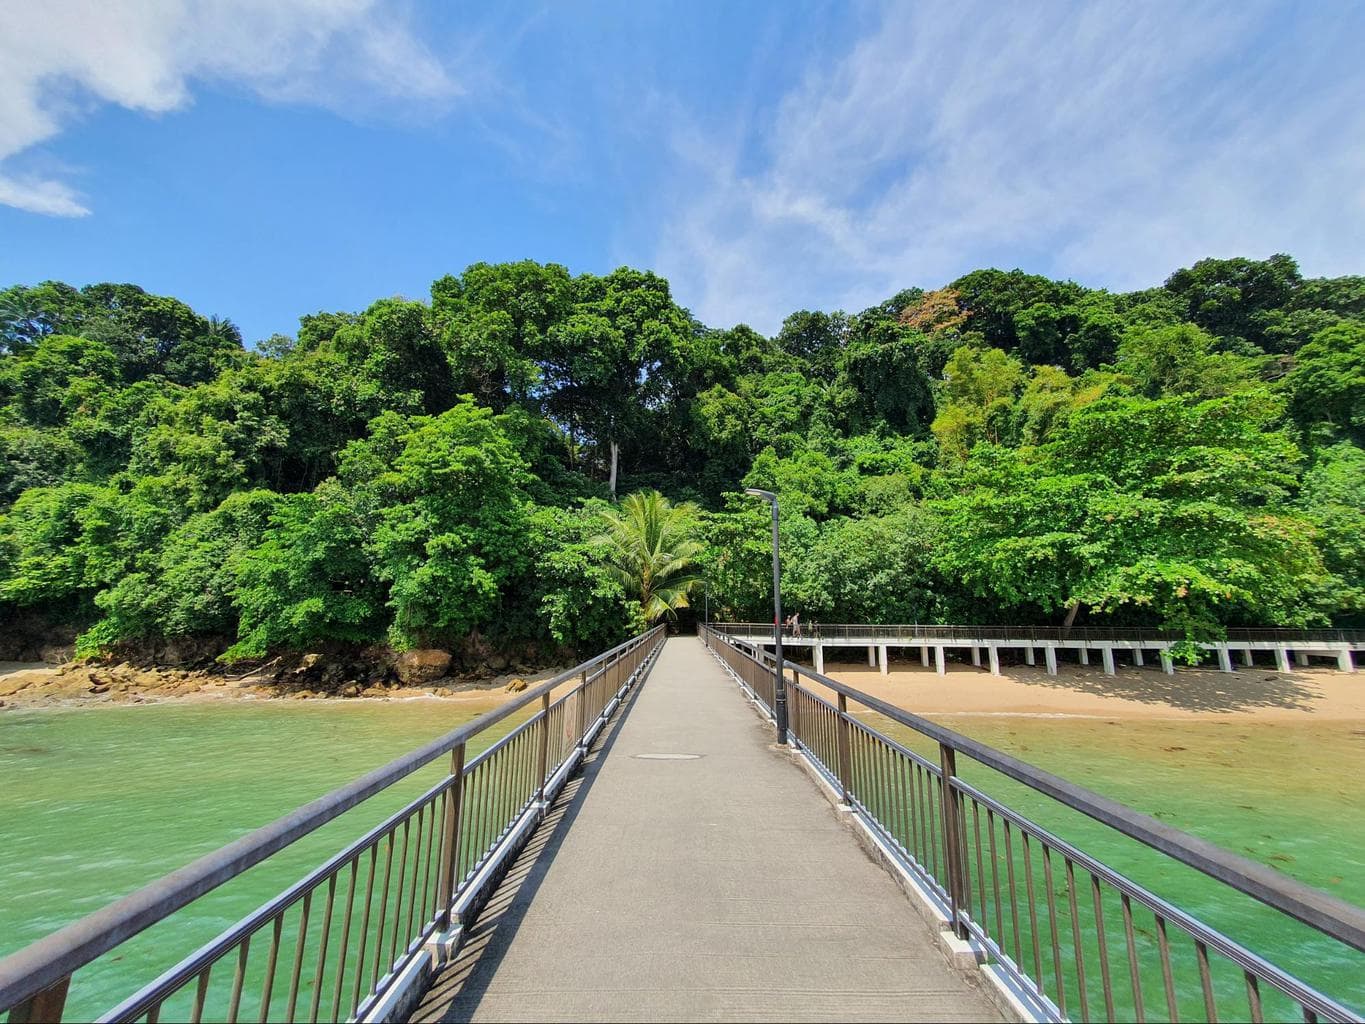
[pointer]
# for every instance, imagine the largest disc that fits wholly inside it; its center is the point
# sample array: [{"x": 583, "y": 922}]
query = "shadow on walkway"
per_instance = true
[{"x": 458, "y": 988}]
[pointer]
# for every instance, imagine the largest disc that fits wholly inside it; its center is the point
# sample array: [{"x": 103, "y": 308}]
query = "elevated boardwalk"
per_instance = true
[
  {"x": 717, "y": 886},
  {"x": 1338, "y": 645}
]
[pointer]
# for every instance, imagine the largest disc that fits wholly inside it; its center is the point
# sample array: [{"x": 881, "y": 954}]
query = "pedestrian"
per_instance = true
[{"x": 796, "y": 625}]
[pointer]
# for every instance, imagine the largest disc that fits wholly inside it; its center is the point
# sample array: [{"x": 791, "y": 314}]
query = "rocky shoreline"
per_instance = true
[{"x": 314, "y": 676}]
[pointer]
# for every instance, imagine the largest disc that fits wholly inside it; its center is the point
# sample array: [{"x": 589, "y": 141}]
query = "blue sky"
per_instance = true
[{"x": 266, "y": 159}]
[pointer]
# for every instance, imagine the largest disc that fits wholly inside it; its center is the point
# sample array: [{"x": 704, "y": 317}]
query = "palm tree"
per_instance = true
[{"x": 650, "y": 547}]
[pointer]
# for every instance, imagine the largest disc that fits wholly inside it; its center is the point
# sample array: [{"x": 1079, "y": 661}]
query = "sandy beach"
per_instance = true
[{"x": 1306, "y": 695}]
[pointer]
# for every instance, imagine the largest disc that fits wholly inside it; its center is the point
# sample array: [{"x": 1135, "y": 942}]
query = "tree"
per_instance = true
[
  {"x": 1326, "y": 388},
  {"x": 651, "y": 547},
  {"x": 1141, "y": 504},
  {"x": 1228, "y": 297}
]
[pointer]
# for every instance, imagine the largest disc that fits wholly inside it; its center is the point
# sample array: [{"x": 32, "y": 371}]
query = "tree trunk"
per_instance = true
[
  {"x": 615, "y": 453},
  {"x": 1071, "y": 616}
]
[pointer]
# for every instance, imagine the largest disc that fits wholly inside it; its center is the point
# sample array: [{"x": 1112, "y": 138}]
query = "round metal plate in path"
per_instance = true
[{"x": 668, "y": 757}]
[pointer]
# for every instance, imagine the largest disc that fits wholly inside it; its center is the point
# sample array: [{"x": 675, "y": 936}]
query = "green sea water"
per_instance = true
[
  {"x": 97, "y": 802},
  {"x": 1287, "y": 795}
]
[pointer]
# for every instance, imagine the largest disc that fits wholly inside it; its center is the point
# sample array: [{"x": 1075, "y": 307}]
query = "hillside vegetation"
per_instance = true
[{"x": 1007, "y": 448}]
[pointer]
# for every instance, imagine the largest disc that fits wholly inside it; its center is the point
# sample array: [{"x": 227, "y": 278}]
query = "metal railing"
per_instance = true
[
  {"x": 1072, "y": 934},
  {"x": 914, "y": 633},
  {"x": 331, "y": 946}
]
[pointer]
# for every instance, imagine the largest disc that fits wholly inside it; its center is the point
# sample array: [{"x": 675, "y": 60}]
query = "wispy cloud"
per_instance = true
[
  {"x": 1111, "y": 144},
  {"x": 60, "y": 58}
]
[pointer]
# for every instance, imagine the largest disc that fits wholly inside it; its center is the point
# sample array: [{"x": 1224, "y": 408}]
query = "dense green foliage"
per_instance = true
[{"x": 1005, "y": 449}]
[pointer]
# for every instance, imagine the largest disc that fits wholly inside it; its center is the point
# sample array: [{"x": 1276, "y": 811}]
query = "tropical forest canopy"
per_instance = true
[{"x": 1007, "y": 448}]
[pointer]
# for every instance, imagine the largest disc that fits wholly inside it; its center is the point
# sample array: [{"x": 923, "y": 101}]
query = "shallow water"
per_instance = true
[
  {"x": 1286, "y": 795},
  {"x": 96, "y": 802}
]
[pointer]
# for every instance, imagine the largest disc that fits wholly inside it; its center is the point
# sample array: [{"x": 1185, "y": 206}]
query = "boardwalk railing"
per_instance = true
[
  {"x": 341, "y": 941},
  {"x": 915, "y": 634},
  {"x": 1074, "y": 936}
]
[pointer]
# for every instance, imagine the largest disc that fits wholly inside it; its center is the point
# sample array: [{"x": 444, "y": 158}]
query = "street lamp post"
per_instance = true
[{"x": 780, "y": 686}]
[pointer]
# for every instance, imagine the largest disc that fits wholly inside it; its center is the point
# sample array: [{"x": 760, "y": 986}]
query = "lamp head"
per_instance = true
[{"x": 757, "y": 493}]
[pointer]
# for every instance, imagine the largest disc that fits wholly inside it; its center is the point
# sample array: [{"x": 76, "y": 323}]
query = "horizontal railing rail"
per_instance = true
[
  {"x": 349, "y": 929},
  {"x": 918, "y": 633},
  {"x": 1064, "y": 925}
]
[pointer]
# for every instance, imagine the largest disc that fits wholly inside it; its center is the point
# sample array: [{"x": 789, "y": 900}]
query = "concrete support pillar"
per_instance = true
[
  {"x": 881, "y": 658},
  {"x": 1050, "y": 653},
  {"x": 1167, "y": 665},
  {"x": 1282, "y": 659},
  {"x": 1108, "y": 653},
  {"x": 1085, "y": 655},
  {"x": 820, "y": 658},
  {"x": 1224, "y": 658},
  {"x": 939, "y": 664},
  {"x": 1030, "y": 657},
  {"x": 1345, "y": 662},
  {"x": 976, "y": 655},
  {"x": 871, "y": 655},
  {"x": 1302, "y": 658},
  {"x": 1137, "y": 657},
  {"x": 1246, "y": 657},
  {"x": 993, "y": 653},
  {"x": 924, "y": 656}
]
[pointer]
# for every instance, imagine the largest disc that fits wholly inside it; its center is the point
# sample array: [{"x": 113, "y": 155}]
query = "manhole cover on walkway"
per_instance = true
[{"x": 668, "y": 757}]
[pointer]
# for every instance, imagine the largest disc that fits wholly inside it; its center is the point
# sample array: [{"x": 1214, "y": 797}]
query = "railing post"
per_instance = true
[
  {"x": 43, "y": 1008},
  {"x": 450, "y": 835},
  {"x": 845, "y": 755},
  {"x": 543, "y": 753},
  {"x": 795, "y": 704},
  {"x": 952, "y": 841},
  {"x": 583, "y": 710}
]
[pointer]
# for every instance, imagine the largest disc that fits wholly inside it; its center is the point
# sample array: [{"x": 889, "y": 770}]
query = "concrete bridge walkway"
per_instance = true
[{"x": 720, "y": 886}]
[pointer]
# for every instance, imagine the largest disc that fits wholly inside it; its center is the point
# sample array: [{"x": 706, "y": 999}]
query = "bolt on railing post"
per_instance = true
[
  {"x": 952, "y": 841},
  {"x": 845, "y": 755},
  {"x": 450, "y": 835},
  {"x": 46, "y": 1006},
  {"x": 543, "y": 753}
]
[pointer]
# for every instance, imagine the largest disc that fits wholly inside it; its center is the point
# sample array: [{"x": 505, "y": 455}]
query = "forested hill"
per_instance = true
[{"x": 1007, "y": 448}]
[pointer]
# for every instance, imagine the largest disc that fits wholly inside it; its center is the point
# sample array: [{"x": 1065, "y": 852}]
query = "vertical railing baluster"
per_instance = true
[
  {"x": 1130, "y": 940},
  {"x": 364, "y": 928},
  {"x": 238, "y": 978},
  {"x": 1167, "y": 979},
  {"x": 1060, "y": 993},
  {"x": 1078, "y": 949},
  {"x": 340, "y": 982},
  {"x": 1105, "y": 979},
  {"x": 201, "y": 993},
  {"x": 269, "y": 983},
  {"x": 1201, "y": 956},
  {"x": 322, "y": 948},
  {"x": 375, "y": 974},
  {"x": 1034, "y": 937},
  {"x": 845, "y": 755}
]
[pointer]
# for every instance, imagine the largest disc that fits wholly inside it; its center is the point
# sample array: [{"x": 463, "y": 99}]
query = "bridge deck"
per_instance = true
[{"x": 721, "y": 887}]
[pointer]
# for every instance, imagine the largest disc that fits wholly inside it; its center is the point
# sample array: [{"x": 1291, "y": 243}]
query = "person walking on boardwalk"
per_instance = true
[{"x": 796, "y": 625}]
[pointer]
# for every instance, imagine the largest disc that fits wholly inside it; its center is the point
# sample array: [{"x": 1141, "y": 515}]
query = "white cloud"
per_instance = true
[
  {"x": 1108, "y": 144},
  {"x": 58, "y": 58}
]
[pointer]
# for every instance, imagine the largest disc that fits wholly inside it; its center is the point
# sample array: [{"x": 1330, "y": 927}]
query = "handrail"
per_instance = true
[
  {"x": 49, "y": 961},
  {"x": 1337, "y": 918},
  {"x": 832, "y": 728},
  {"x": 1061, "y": 634}
]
